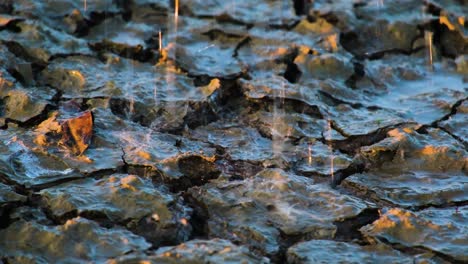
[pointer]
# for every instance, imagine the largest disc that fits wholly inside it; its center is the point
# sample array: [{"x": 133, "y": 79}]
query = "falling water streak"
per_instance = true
[
  {"x": 310, "y": 153},
  {"x": 85, "y": 5},
  {"x": 129, "y": 91},
  {"x": 428, "y": 35},
  {"x": 330, "y": 147},
  {"x": 380, "y": 3},
  {"x": 160, "y": 42},
  {"x": 277, "y": 139},
  {"x": 176, "y": 10}
]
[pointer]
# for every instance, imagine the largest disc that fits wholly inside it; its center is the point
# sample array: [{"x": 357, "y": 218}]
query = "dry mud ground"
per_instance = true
[{"x": 209, "y": 131}]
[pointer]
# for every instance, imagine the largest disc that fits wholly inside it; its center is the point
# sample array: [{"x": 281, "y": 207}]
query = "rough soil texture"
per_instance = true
[{"x": 268, "y": 131}]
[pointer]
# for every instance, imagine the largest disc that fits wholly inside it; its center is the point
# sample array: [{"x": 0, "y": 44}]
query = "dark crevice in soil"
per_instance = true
[
  {"x": 353, "y": 143},
  {"x": 359, "y": 73},
  {"x": 66, "y": 55},
  {"x": 464, "y": 142},
  {"x": 436, "y": 123},
  {"x": 370, "y": 195},
  {"x": 288, "y": 27},
  {"x": 217, "y": 33},
  {"x": 238, "y": 169},
  {"x": 84, "y": 25},
  {"x": 302, "y": 7},
  {"x": 336, "y": 101},
  {"x": 18, "y": 188},
  {"x": 201, "y": 115},
  {"x": 5, "y": 213},
  {"x": 342, "y": 174},
  {"x": 138, "y": 53},
  {"x": 419, "y": 250},
  {"x": 199, "y": 219},
  {"x": 34, "y": 121},
  {"x": 292, "y": 73},
  {"x": 6, "y": 7},
  {"x": 453, "y": 111},
  {"x": 348, "y": 229},
  {"x": 197, "y": 171},
  {"x": 42, "y": 186},
  {"x": 12, "y": 25},
  {"x": 96, "y": 174},
  {"x": 349, "y": 39},
  {"x": 19, "y": 51},
  {"x": 338, "y": 129},
  {"x": 245, "y": 41},
  {"x": 454, "y": 205},
  {"x": 318, "y": 177},
  {"x": 225, "y": 18}
]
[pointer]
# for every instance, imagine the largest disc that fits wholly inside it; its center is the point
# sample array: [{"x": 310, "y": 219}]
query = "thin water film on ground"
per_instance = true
[{"x": 267, "y": 131}]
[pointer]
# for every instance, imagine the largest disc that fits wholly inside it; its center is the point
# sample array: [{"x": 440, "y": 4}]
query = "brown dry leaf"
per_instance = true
[{"x": 77, "y": 132}]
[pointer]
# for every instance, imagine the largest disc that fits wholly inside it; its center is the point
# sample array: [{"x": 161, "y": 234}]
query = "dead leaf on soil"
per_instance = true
[{"x": 77, "y": 132}]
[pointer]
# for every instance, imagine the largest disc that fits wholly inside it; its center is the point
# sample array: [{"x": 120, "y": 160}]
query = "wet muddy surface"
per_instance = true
[{"x": 287, "y": 131}]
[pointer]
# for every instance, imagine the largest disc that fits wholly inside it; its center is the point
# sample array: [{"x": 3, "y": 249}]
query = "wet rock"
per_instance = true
[
  {"x": 37, "y": 42},
  {"x": 160, "y": 97},
  {"x": 439, "y": 230},
  {"x": 432, "y": 94},
  {"x": 147, "y": 210},
  {"x": 187, "y": 170},
  {"x": 362, "y": 121},
  {"x": 35, "y": 159},
  {"x": 29, "y": 167},
  {"x": 77, "y": 240},
  {"x": 282, "y": 125},
  {"x": 165, "y": 158},
  {"x": 137, "y": 52},
  {"x": 8, "y": 195},
  {"x": 241, "y": 143},
  {"x": 129, "y": 40},
  {"x": 260, "y": 12},
  {"x": 149, "y": 12},
  {"x": 273, "y": 205},
  {"x": 79, "y": 76},
  {"x": 30, "y": 214},
  {"x": 23, "y": 106},
  {"x": 267, "y": 50},
  {"x": 204, "y": 57},
  {"x": 318, "y": 251},
  {"x": 61, "y": 7},
  {"x": 315, "y": 158},
  {"x": 273, "y": 87},
  {"x": 196, "y": 100},
  {"x": 322, "y": 67},
  {"x": 381, "y": 36},
  {"x": 413, "y": 169},
  {"x": 198, "y": 251}
]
